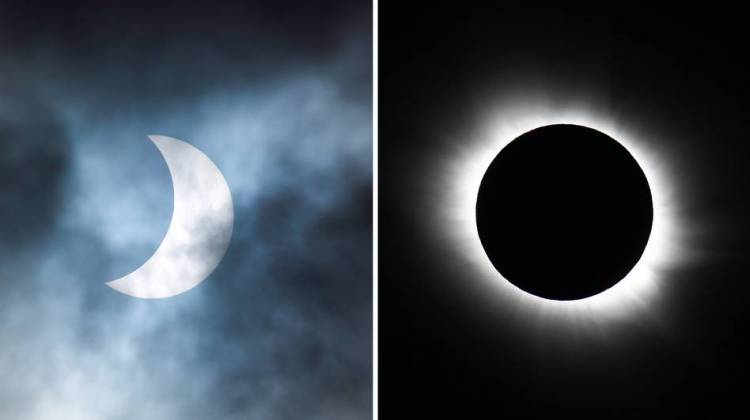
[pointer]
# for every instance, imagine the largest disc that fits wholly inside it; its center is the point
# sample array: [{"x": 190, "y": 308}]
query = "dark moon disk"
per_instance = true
[{"x": 564, "y": 212}]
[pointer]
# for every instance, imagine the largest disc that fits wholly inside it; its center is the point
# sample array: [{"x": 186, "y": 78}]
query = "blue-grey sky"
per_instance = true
[{"x": 278, "y": 95}]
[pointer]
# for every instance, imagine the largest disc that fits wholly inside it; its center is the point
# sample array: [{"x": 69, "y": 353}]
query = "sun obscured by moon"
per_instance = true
[
  {"x": 457, "y": 186},
  {"x": 564, "y": 212}
]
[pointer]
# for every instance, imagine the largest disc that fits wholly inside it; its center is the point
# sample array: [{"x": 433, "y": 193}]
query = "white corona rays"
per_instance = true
[{"x": 459, "y": 185}]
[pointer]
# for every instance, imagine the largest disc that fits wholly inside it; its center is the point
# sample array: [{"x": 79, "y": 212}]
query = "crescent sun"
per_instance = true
[{"x": 200, "y": 230}]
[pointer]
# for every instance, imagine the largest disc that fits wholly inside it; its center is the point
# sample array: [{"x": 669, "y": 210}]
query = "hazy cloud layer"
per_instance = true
[{"x": 279, "y": 98}]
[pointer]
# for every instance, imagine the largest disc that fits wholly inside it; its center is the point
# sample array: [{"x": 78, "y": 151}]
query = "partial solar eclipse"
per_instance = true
[{"x": 200, "y": 230}]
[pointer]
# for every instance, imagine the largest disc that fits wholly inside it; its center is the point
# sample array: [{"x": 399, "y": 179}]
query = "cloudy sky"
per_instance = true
[{"x": 279, "y": 96}]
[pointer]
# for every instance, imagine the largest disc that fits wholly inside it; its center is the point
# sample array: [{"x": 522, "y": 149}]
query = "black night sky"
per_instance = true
[{"x": 675, "y": 81}]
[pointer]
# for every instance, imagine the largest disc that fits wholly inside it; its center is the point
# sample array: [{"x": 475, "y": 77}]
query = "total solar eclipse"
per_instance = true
[{"x": 564, "y": 212}]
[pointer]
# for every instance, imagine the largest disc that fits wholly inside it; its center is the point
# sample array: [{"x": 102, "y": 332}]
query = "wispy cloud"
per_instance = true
[{"x": 282, "y": 328}]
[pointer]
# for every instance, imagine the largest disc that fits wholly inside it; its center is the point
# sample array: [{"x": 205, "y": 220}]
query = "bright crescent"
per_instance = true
[{"x": 200, "y": 230}]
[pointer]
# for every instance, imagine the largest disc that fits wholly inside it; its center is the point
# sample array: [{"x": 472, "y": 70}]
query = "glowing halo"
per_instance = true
[{"x": 459, "y": 185}]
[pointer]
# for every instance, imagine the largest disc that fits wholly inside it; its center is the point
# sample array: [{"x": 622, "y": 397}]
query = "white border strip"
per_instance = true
[{"x": 375, "y": 209}]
